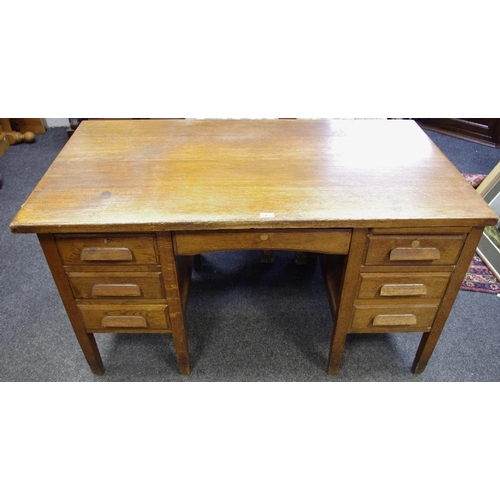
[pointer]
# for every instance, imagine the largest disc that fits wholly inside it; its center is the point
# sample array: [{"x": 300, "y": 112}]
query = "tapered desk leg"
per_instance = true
[
  {"x": 91, "y": 352},
  {"x": 86, "y": 340},
  {"x": 425, "y": 350},
  {"x": 336, "y": 350},
  {"x": 174, "y": 301},
  {"x": 347, "y": 296},
  {"x": 430, "y": 339}
]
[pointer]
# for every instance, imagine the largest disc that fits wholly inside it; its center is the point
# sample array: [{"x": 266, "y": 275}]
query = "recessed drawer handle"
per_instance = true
[
  {"x": 404, "y": 290},
  {"x": 120, "y": 290},
  {"x": 403, "y": 253},
  {"x": 395, "y": 320},
  {"x": 97, "y": 253},
  {"x": 124, "y": 322}
]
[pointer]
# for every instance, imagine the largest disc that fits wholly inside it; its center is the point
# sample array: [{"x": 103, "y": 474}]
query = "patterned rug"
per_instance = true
[{"x": 479, "y": 278}]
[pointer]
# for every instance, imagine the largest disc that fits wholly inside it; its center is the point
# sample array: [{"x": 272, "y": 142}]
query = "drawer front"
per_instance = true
[
  {"x": 402, "y": 285},
  {"x": 393, "y": 318},
  {"x": 118, "y": 286},
  {"x": 413, "y": 250},
  {"x": 328, "y": 241},
  {"x": 120, "y": 250},
  {"x": 99, "y": 318}
]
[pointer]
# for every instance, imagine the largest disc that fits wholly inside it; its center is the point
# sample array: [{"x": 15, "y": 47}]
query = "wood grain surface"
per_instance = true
[{"x": 156, "y": 175}]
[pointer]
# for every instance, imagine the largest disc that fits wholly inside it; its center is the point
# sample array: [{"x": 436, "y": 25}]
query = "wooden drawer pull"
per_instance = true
[
  {"x": 120, "y": 290},
  {"x": 403, "y": 290},
  {"x": 97, "y": 253},
  {"x": 124, "y": 322},
  {"x": 410, "y": 253},
  {"x": 395, "y": 320}
]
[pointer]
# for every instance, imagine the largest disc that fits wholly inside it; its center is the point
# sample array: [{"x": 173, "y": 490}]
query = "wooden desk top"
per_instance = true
[{"x": 150, "y": 175}]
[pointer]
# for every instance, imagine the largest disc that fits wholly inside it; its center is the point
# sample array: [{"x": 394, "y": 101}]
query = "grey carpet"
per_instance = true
[{"x": 246, "y": 321}]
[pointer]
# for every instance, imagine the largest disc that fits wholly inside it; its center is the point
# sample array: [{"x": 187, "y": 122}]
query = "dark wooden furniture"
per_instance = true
[
  {"x": 481, "y": 130},
  {"x": 126, "y": 205}
]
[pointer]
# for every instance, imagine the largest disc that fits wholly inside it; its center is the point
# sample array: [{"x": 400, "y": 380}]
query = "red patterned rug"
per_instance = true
[
  {"x": 474, "y": 179},
  {"x": 479, "y": 278}
]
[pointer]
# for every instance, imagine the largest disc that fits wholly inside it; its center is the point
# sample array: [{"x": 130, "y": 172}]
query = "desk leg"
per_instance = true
[
  {"x": 347, "y": 296},
  {"x": 429, "y": 339},
  {"x": 174, "y": 300},
  {"x": 86, "y": 340}
]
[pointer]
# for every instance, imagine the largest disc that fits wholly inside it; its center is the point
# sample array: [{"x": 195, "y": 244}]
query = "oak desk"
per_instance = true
[{"x": 126, "y": 204}]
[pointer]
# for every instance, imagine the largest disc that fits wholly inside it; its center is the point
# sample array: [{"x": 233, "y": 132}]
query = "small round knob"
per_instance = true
[
  {"x": 415, "y": 244},
  {"x": 264, "y": 237}
]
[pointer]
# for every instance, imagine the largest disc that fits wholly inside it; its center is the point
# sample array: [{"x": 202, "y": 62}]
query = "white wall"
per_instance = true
[{"x": 57, "y": 122}]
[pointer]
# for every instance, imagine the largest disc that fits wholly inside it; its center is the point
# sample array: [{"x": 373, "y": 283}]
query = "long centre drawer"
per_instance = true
[{"x": 328, "y": 241}]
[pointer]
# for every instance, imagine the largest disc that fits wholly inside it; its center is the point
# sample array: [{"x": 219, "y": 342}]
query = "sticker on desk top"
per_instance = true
[{"x": 267, "y": 215}]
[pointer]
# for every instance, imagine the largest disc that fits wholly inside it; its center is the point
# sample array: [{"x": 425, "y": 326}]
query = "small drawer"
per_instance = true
[
  {"x": 99, "y": 318},
  {"x": 92, "y": 250},
  {"x": 118, "y": 286},
  {"x": 393, "y": 318},
  {"x": 403, "y": 285},
  {"x": 328, "y": 241},
  {"x": 413, "y": 250}
]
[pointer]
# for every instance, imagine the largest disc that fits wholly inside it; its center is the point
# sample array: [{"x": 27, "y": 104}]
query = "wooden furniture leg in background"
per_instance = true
[
  {"x": 267, "y": 257},
  {"x": 15, "y": 136},
  {"x": 17, "y": 130}
]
